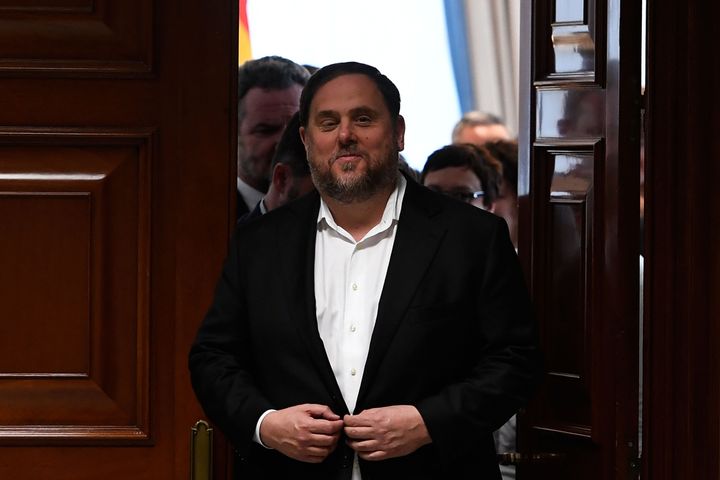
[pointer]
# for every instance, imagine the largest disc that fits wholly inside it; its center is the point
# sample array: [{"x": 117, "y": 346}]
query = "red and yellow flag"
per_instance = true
[{"x": 244, "y": 49}]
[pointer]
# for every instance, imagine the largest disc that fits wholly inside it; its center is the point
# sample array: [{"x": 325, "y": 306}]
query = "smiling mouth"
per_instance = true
[{"x": 347, "y": 156}]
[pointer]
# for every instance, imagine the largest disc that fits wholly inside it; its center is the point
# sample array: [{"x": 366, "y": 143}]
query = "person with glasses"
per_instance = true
[{"x": 465, "y": 172}]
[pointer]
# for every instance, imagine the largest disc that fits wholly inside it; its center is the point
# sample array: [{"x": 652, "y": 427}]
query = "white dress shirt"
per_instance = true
[
  {"x": 250, "y": 195},
  {"x": 349, "y": 278}
]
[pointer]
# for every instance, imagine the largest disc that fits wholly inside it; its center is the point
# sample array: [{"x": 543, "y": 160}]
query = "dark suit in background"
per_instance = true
[{"x": 242, "y": 208}]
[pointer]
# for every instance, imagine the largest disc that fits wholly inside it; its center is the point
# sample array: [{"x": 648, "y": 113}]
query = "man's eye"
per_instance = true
[
  {"x": 364, "y": 120},
  {"x": 265, "y": 131},
  {"x": 327, "y": 124}
]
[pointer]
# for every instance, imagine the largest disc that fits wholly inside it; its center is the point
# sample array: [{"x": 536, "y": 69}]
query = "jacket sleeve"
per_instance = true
[
  {"x": 507, "y": 365},
  {"x": 220, "y": 359}
]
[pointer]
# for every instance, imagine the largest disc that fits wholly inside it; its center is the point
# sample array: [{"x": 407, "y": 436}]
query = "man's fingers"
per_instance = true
[
  {"x": 360, "y": 420},
  {"x": 326, "y": 427},
  {"x": 364, "y": 445},
  {"x": 320, "y": 411},
  {"x": 373, "y": 456},
  {"x": 322, "y": 440},
  {"x": 359, "y": 432},
  {"x": 318, "y": 451}
]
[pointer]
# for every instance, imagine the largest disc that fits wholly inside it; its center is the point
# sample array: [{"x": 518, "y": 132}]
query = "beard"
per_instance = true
[
  {"x": 379, "y": 175},
  {"x": 254, "y": 168}
]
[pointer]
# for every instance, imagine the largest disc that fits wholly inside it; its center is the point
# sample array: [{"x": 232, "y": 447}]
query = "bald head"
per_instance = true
[{"x": 479, "y": 128}]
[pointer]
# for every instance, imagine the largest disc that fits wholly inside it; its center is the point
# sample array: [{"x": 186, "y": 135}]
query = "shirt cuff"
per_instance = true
[{"x": 256, "y": 436}]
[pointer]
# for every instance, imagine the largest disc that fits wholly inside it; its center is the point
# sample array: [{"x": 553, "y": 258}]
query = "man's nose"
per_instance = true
[{"x": 346, "y": 134}]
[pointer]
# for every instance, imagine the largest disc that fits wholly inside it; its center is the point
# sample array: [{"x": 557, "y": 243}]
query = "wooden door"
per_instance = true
[
  {"x": 116, "y": 178},
  {"x": 682, "y": 227},
  {"x": 579, "y": 187}
]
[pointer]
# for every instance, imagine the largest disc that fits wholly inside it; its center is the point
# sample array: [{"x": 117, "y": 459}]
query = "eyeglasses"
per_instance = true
[{"x": 462, "y": 195}]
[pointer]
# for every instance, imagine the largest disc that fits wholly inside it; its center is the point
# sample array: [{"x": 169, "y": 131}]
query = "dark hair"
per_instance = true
[
  {"x": 290, "y": 149},
  {"x": 506, "y": 151},
  {"x": 486, "y": 167},
  {"x": 311, "y": 68},
  {"x": 387, "y": 88},
  {"x": 475, "y": 118},
  {"x": 271, "y": 72}
]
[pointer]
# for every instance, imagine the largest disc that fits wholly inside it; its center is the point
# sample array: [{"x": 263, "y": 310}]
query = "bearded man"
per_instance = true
[{"x": 373, "y": 329}]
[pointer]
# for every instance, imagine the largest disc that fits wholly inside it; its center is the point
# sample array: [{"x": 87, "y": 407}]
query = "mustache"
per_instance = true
[{"x": 347, "y": 151}]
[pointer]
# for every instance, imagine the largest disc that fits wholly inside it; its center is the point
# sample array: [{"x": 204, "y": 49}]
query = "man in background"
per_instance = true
[
  {"x": 290, "y": 172},
  {"x": 478, "y": 128},
  {"x": 465, "y": 172},
  {"x": 506, "y": 204},
  {"x": 268, "y": 95}
]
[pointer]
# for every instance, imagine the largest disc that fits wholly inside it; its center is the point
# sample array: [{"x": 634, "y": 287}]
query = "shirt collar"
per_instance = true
[
  {"x": 391, "y": 214},
  {"x": 250, "y": 195}
]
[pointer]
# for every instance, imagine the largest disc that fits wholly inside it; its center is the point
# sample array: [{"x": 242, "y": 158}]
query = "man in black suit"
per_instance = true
[
  {"x": 376, "y": 330},
  {"x": 268, "y": 95},
  {"x": 290, "y": 177}
]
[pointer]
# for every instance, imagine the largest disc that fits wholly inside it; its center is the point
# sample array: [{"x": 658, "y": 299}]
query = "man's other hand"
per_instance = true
[{"x": 387, "y": 432}]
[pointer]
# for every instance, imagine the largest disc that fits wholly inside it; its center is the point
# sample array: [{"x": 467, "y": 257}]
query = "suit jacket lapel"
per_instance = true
[
  {"x": 417, "y": 239},
  {"x": 296, "y": 244}
]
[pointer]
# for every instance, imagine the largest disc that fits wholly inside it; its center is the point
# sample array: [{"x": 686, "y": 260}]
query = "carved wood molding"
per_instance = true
[
  {"x": 80, "y": 203},
  {"x": 77, "y": 38}
]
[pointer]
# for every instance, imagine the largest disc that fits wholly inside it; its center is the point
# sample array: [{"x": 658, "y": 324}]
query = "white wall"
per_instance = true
[
  {"x": 494, "y": 37},
  {"x": 404, "y": 39}
]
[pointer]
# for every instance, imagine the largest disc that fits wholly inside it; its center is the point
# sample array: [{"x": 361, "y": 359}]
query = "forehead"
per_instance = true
[
  {"x": 453, "y": 178},
  {"x": 347, "y": 92},
  {"x": 266, "y": 105}
]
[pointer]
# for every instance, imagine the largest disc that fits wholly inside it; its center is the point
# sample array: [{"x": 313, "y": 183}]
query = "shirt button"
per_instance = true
[
  {"x": 354, "y": 286},
  {"x": 353, "y": 372},
  {"x": 353, "y": 328}
]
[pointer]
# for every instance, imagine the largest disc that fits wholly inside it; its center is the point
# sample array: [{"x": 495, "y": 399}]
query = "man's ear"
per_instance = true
[{"x": 280, "y": 175}]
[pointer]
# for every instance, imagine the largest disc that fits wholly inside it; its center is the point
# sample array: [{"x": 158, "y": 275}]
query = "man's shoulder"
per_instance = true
[
  {"x": 444, "y": 209},
  {"x": 289, "y": 216}
]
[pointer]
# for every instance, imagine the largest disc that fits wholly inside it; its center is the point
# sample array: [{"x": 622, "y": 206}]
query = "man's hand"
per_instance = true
[
  {"x": 387, "y": 432},
  {"x": 308, "y": 433}
]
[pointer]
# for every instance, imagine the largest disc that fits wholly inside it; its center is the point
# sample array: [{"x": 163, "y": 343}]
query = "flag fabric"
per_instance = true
[{"x": 244, "y": 47}]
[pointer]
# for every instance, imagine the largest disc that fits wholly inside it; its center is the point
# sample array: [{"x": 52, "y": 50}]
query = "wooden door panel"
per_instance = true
[
  {"x": 116, "y": 183},
  {"x": 77, "y": 37},
  {"x": 565, "y": 222},
  {"x": 581, "y": 252},
  {"x": 75, "y": 243}
]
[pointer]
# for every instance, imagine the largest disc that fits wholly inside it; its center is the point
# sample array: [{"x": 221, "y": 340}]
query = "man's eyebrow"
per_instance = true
[
  {"x": 264, "y": 126},
  {"x": 363, "y": 111},
  {"x": 326, "y": 113}
]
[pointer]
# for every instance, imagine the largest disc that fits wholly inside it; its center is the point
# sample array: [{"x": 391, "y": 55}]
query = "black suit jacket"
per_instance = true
[
  {"x": 242, "y": 208},
  {"x": 453, "y": 336},
  {"x": 251, "y": 215}
]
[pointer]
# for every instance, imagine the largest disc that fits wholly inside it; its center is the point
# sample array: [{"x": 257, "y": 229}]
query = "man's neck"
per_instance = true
[
  {"x": 271, "y": 199},
  {"x": 358, "y": 218}
]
